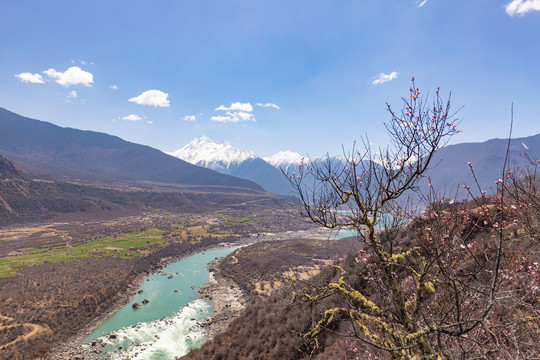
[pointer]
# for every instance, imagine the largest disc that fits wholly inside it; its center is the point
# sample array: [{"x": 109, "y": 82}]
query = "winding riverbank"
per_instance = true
[
  {"x": 228, "y": 299},
  {"x": 72, "y": 349}
]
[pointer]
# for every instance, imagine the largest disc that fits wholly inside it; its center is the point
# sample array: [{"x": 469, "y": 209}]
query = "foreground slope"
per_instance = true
[{"x": 44, "y": 149}]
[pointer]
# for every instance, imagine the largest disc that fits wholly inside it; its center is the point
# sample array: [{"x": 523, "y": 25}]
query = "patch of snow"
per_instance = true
[{"x": 284, "y": 159}]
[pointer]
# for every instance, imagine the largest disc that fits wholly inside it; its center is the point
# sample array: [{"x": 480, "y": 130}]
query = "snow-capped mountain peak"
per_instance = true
[
  {"x": 212, "y": 154},
  {"x": 224, "y": 158},
  {"x": 284, "y": 159}
]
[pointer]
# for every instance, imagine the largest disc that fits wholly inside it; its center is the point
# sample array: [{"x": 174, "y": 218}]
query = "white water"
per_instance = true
[
  {"x": 160, "y": 339},
  {"x": 166, "y": 327}
]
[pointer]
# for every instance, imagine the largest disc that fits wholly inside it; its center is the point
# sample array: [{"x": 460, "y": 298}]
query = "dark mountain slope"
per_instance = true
[
  {"x": 48, "y": 150},
  {"x": 486, "y": 158},
  {"x": 25, "y": 199}
]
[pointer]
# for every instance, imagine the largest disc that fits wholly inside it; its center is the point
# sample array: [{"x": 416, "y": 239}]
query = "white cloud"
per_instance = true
[
  {"x": 30, "y": 78},
  {"x": 236, "y": 112},
  {"x": 190, "y": 118},
  {"x": 72, "y": 95},
  {"x": 131, "y": 117},
  {"x": 152, "y": 97},
  {"x": 421, "y": 3},
  {"x": 72, "y": 76},
  {"x": 236, "y": 106},
  {"x": 382, "y": 77},
  {"x": 268, "y": 105},
  {"x": 114, "y": 87},
  {"x": 521, "y": 7}
]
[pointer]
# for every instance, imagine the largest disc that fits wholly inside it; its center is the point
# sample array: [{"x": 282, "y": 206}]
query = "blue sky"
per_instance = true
[{"x": 154, "y": 72}]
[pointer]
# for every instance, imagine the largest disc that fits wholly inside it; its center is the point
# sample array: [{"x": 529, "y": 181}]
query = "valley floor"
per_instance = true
[{"x": 58, "y": 280}]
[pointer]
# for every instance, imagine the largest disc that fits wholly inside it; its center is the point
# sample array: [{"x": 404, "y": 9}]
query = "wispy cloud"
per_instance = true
[
  {"x": 72, "y": 95},
  {"x": 421, "y": 3},
  {"x": 382, "y": 77},
  {"x": 72, "y": 76},
  {"x": 155, "y": 98},
  {"x": 233, "y": 117},
  {"x": 114, "y": 87},
  {"x": 131, "y": 117},
  {"x": 82, "y": 62},
  {"x": 236, "y": 106},
  {"x": 221, "y": 118},
  {"x": 521, "y": 7},
  {"x": 268, "y": 105},
  {"x": 190, "y": 118},
  {"x": 30, "y": 78}
]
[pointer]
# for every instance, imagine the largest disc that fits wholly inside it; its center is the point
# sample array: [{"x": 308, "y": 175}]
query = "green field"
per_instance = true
[{"x": 118, "y": 245}]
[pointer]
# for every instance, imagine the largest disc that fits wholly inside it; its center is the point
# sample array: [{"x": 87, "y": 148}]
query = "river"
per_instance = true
[{"x": 168, "y": 325}]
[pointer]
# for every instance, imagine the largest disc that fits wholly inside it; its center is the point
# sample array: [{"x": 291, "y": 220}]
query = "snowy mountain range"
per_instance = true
[
  {"x": 224, "y": 158},
  {"x": 452, "y": 162}
]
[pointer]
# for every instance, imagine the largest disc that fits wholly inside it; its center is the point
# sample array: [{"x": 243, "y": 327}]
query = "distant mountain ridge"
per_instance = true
[
  {"x": 44, "y": 149},
  {"x": 451, "y": 163},
  {"x": 67, "y": 154},
  {"x": 486, "y": 158}
]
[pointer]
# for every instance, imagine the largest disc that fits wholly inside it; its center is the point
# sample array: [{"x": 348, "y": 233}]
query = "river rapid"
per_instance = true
[{"x": 168, "y": 325}]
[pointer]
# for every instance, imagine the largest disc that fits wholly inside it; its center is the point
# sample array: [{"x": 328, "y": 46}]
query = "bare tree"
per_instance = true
[{"x": 436, "y": 290}]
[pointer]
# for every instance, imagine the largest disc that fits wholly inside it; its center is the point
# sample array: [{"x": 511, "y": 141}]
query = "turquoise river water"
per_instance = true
[{"x": 167, "y": 326}]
